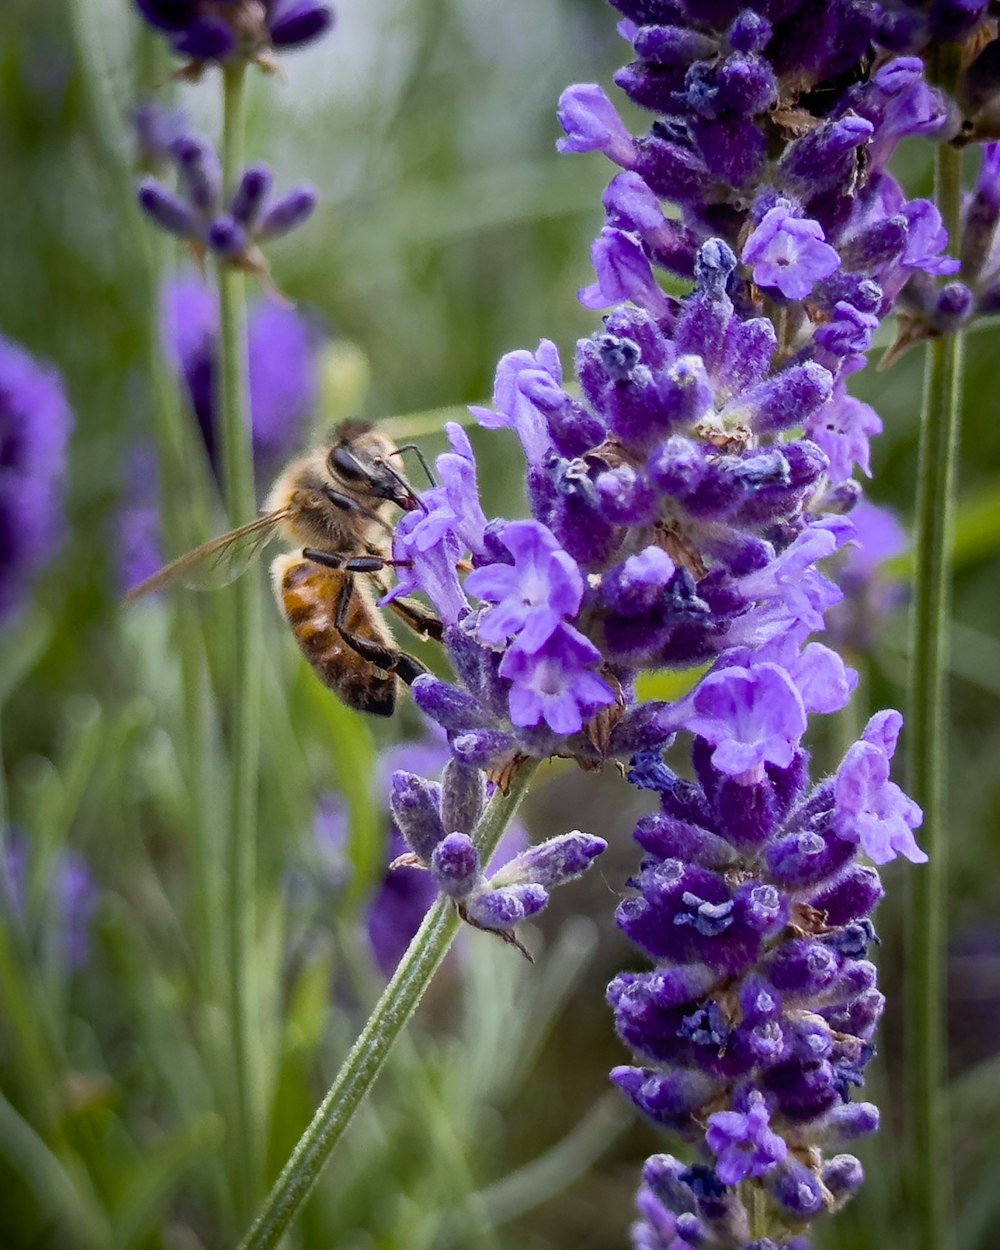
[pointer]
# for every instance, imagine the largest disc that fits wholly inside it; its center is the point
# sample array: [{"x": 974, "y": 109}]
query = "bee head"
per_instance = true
[{"x": 360, "y": 460}]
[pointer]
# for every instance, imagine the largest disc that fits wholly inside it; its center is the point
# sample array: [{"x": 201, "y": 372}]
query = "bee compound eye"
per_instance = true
[{"x": 345, "y": 464}]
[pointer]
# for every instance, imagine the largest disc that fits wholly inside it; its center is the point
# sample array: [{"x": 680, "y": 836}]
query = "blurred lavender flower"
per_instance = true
[
  {"x": 284, "y": 375},
  {"x": 76, "y": 895},
  {"x": 71, "y": 901},
  {"x": 284, "y": 384},
  {"x": 35, "y": 423},
  {"x": 230, "y": 230},
  {"x": 872, "y": 595},
  {"x": 221, "y": 30},
  {"x": 157, "y": 129},
  {"x": 137, "y": 523}
]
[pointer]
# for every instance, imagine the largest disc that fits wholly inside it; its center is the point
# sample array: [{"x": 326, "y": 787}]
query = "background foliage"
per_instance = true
[{"x": 449, "y": 232}]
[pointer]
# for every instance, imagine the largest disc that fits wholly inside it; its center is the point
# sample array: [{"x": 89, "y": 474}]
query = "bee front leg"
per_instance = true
[
  {"x": 406, "y": 667},
  {"x": 349, "y": 564}
]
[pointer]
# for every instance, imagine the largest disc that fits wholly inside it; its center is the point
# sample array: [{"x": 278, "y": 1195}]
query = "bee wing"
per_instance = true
[{"x": 215, "y": 563}]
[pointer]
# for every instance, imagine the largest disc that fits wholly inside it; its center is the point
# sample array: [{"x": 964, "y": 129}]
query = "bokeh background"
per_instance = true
[{"x": 449, "y": 232}]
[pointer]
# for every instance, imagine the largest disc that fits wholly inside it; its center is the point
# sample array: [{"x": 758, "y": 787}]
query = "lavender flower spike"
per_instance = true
[
  {"x": 229, "y": 230},
  {"x": 35, "y": 423},
  {"x": 781, "y": 1023},
  {"x": 206, "y": 31},
  {"x": 518, "y": 890},
  {"x": 685, "y": 496}
]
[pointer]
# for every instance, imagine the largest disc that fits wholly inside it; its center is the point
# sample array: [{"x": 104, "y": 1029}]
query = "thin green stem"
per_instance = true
[
  {"x": 244, "y": 674},
  {"x": 369, "y": 1053},
  {"x": 930, "y": 1167}
]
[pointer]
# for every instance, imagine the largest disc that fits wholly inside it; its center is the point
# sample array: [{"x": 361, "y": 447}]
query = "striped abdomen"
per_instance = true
[{"x": 310, "y": 596}]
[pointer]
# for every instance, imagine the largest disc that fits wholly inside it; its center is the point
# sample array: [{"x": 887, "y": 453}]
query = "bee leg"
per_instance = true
[
  {"x": 344, "y": 502},
  {"x": 418, "y": 618},
  {"x": 351, "y": 564},
  {"x": 406, "y": 667}
]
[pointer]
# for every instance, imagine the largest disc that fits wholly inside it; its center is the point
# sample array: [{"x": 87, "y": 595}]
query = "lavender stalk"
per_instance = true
[
  {"x": 369, "y": 1053},
  {"x": 927, "y": 935},
  {"x": 241, "y": 505}
]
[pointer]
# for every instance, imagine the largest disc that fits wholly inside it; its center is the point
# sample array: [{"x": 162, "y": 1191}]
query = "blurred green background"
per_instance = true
[{"x": 449, "y": 232}]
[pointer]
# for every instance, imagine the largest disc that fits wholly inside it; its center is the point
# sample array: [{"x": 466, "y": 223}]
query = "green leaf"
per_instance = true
[{"x": 157, "y": 1176}]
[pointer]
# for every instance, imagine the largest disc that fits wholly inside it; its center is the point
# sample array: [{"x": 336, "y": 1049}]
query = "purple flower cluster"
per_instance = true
[
  {"x": 231, "y": 231},
  {"x": 223, "y": 30},
  {"x": 685, "y": 495},
  {"x": 35, "y": 423},
  {"x": 437, "y": 818},
  {"x": 407, "y": 889},
  {"x": 757, "y": 1020}
]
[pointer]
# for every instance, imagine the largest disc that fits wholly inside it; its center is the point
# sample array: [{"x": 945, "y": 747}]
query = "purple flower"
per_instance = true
[
  {"x": 623, "y": 273},
  {"x": 592, "y": 124},
  {"x": 871, "y": 809},
  {"x": 140, "y": 546},
  {"x": 157, "y": 129},
  {"x": 427, "y": 549},
  {"x": 552, "y": 862},
  {"x": 512, "y": 409},
  {"x": 457, "y": 470},
  {"x": 656, "y": 1228},
  {"x": 534, "y": 594},
  {"x": 556, "y": 682},
  {"x": 35, "y": 423},
  {"x": 752, "y": 716},
  {"x": 207, "y": 30},
  {"x": 521, "y": 886},
  {"x": 398, "y": 908},
  {"x": 795, "y": 592},
  {"x": 743, "y": 1141},
  {"x": 284, "y": 375},
  {"x": 282, "y": 350},
  {"x": 76, "y": 900},
  {"x": 750, "y": 1031},
  {"x": 842, "y": 428},
  {"x": 71, "y": 896},
  {"x": 231, "y": 228},
  {"x": 872, "y": 593},
  {"x": 789, "y": 253},
  {"x": 926, "y": 239}
]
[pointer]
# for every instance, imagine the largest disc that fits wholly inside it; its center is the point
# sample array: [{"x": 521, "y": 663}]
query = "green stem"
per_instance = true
[
  {"x": 369, "y": 1053},
  {"x": 929, "y": 740},
  {"x": 245, "y": 671}
]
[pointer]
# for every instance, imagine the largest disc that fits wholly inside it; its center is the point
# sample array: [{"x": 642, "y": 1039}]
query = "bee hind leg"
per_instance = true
[
  {"x": 421, "y": 620},
  {"x": 391, "y": 660}
]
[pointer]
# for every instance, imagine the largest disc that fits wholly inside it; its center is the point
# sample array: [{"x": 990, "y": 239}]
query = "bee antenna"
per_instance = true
[{"x": 420, "y": 456}]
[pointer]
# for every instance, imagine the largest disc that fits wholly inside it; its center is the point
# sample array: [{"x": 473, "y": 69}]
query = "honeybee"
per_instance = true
[{"x": 333, "y": 505}]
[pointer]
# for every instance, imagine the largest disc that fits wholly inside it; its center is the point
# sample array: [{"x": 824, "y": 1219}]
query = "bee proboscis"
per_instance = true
[{"x": 332, "y": 504}]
